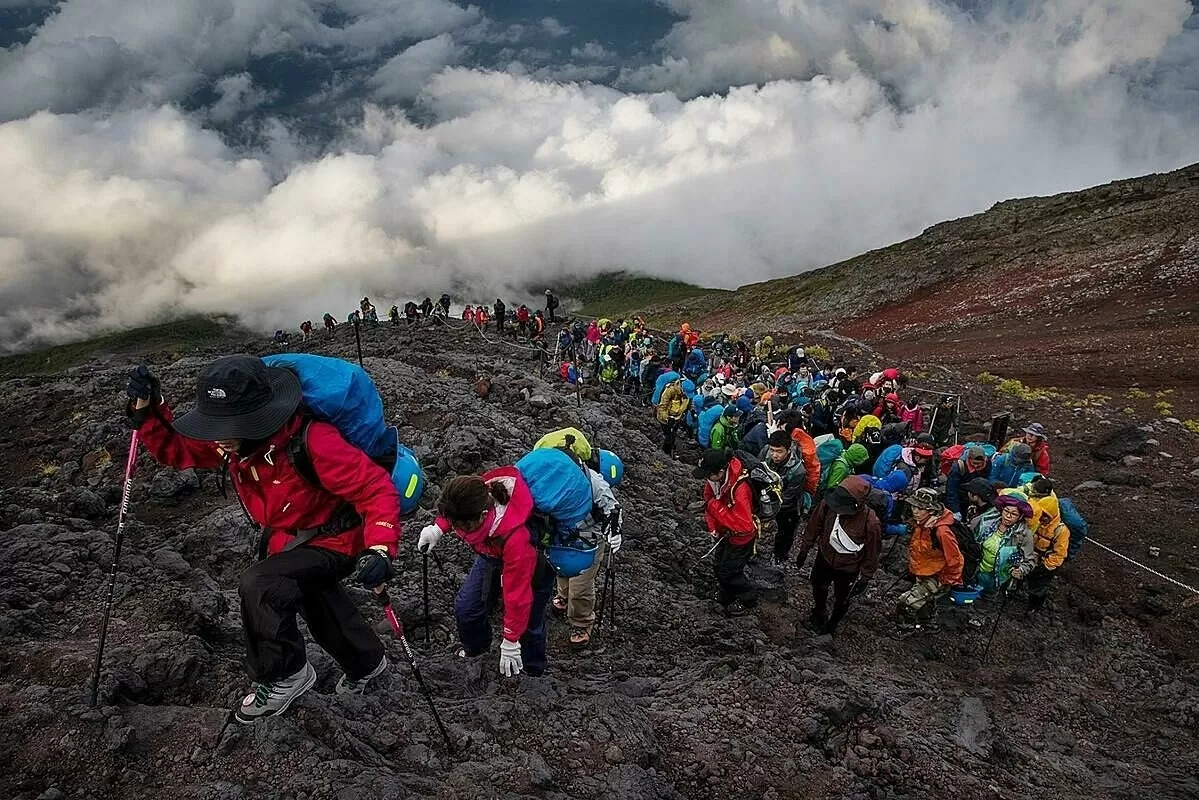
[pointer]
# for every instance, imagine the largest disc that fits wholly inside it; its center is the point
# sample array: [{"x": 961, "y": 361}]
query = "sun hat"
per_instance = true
[{"x": 240, "y": 397}]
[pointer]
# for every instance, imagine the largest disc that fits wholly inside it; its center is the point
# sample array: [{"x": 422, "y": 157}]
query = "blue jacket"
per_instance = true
[
  {"x": 706, "y": 420},
  {"x": 660, "y": 384},
  {"x": 958, "y": 477},
  {"x": 696, "y": 362},
  {"x": 674, "y": 348},
  {"x": 886, "y": 460},
  {"x": 1005, "y": 470},
  {"x": 755, "y": 440},
  {"x": 1075, "y": 522}
]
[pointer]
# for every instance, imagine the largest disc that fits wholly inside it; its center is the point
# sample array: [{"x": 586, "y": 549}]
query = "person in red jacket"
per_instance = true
[
  {"x": 311, "y": 536},
  {"x": 729, "y": 515},
  {"x": 1038, "y": 441},
  {"x": 490, "y": 514}
]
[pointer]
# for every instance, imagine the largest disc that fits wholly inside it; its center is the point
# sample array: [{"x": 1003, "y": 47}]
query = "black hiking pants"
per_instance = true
[
  {"x": 729, "y": 565},
  {"x": 304, "y": 581},
  {"x": 669, "y": 431},
  {"x": 787, "y": 522},
  {"x": 823, "y": 576},
  {"x": 1038, "y": 584}
]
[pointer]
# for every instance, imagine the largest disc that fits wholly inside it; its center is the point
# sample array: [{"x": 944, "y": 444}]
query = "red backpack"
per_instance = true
[{"x": 950, "y": 455}]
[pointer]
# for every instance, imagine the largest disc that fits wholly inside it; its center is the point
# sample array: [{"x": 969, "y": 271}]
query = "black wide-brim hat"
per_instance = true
[
  {"x": 240, "y": 397},
  {"x": 841, "y": 502}
]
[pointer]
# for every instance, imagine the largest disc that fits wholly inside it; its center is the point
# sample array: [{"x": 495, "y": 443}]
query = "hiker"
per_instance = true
[
  {"x": 394, "y": 315},
  {"x": 312, "y": 535},
  {"x": 468, "y": 314},
  {"x": 934, "y": 559},
  {"x": 500, "y": 310},
  {"x": 944, "y": 421},
  {"x": 1038, "y": 443},
  {"x": 764, "y": 348},
  {"x": 980, "y": 499},
  {"x": 908, "y": 473},
  {"x": 575, "y": 597},
  {"x": 481, "y": 316},
  {"x": 846, "y": 464},
  {"x": 522, "y": 319},
  {"x": 1051, "y": 541},
  {"x": 306, "y": 329},
  {"x": 551, "y": 305},
  {"x": 282, "y": 337},
  {"x": 847, "y": 535},
  {"x": 330, "y": 323},
  {"x": 1007, "y": 546},
  {"x": 537, "y": 326},
  {"x": 913, "y": 415},
  {"x": 724, "y": 432},
  {"x": 1008, "y": 468},
  {"x": 426, "y": 307},
  {"x": 490, "y": 514},
  {"x": 973, "y": 464},
  {"x": 411, "y": 311},
  {"x": 672, "y": 407},
  {"x": 729, "y": 516},
  {"x": 783, "y": 456},
  {"x": 444, "y": 302}
]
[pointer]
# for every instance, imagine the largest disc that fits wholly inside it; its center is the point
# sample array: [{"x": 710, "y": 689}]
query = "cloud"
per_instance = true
[{"x": 881, "y": 118}]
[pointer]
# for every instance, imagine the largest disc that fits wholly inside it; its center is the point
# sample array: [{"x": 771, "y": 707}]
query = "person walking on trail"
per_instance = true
[
  {"x": 500, "y": 310},
  {"x": 729, "y": 515},
  {"x": 973, "y": 464},
  {"x": 330, "y": 323},
  {"x": 306, "y": 328},
  {"x": 426, "y": 307},
  {"x": 1037, "y": 440},
  {"x": 672, "y": 407},
  {"x": 246, "y": 415},
  {"x": 1007, "y": 546},
  {"x": 444, "y": 302},
  {"x": 783, "y": 456},
  {"x": 490, "y": 514},
  {"x": 933, "y": 559},
  {"x": 411, "y": 311},
  {"x": 847, "y": 535},
  {"x": 551, "y": 305},
  {"x": 575, "y": 597},
  {"x": 944, "y": 421},
  {"x": 1008, "y": 468},
  {"x": 1051, "y": 543},
  {"x": 847, "y": 464},
  {"x": 724, "y": 432},
  {"x": 522, "y": 319}
]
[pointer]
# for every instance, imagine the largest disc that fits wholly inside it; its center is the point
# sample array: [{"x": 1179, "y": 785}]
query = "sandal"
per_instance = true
[
  {"x": 559, "y": 604},
  {"x": 580, "y": 637}
]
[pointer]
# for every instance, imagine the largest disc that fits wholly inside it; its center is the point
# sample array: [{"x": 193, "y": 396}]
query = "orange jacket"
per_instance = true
[
  {"x": 811, "y": 462},
  {"x": 946, "y": 562}
]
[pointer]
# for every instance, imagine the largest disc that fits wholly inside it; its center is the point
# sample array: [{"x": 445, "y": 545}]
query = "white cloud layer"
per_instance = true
[{"x": 884, "y": 117}]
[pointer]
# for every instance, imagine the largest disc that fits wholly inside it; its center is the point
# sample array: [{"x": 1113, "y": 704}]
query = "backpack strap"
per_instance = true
[{"x": 344, "y": 518}]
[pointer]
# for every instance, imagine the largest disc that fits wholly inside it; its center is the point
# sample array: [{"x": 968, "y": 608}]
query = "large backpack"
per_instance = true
[
  {"x": 343, "y": 395},
  {"x": 972, "y": 551},
  {"x": 560, "y": 487},
  {"x": 766, "y": 484},
  {"x": 828, "y": 450},
  {"x": 572, "y": 439},
  {"x": 1075, "y": 522}
]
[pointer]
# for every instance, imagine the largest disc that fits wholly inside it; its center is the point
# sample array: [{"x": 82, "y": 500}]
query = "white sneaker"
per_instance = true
[
  {"x": 268, "y": 699},
  {"x": 347, "y": 686}
]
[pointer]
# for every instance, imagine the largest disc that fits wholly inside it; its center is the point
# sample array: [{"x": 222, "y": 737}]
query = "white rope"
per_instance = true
[{"x": 1150, "y": 570}]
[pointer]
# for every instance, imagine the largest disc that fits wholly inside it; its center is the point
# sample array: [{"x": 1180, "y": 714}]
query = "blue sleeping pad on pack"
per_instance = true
[{"x": 560, "y": 487}]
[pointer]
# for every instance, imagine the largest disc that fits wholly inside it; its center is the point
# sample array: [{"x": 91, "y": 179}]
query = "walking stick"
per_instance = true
[
  {"x": 995, "y": 627},
  {"x": 424, "y": 579},
  {"x": 358, "y": 341},
  {"x": 122, "y": 516},
  {"x": 385, "y": 600},
  {"x": 608, "y": 591}
]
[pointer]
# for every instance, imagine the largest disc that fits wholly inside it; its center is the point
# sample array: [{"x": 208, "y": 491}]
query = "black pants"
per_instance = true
[
  {"x": 304, "y": 581},
  {"x": 499, "y": 324},
  {"x": 1038, "y": 586},
  {"x": 823, "y": 575},
  {"x": 730, "y": 573},
  {"x": 787, "y": 522},
  {"x": 669, "y": 429}
]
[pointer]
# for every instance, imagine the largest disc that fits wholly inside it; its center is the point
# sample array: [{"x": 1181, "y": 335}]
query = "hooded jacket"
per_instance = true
[
  {"x": 793, "y": 473},
  {"x": 960, "y": 474},
  {"x": 1006, "y": 470},
  {"x": 811, "y": 462},
  {"x": 905, "y": 476},
  {"x": 278, "y": 498},
  {"x": 673, "y": 404},
  {"x": 914, "y": 417},
  {"x": 504, "y": 535},
  {"x": 723, "y": 434},
  {"x": 1001, "y": 551},
  {"x": 866, "y": 422},
  {"x": 854, "y": 456},
  {"x": 729, "y": 508},
  {"x": 926, "y": 561},
  {"x": 1051, "y": 537},
  {"x": 863, "y": 528},
  {"x": 707, "y": 419}
]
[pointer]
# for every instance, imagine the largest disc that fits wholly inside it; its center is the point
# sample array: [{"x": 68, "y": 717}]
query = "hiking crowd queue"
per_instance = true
[
  {"x": 841, "y": 460},
  {"x": 323, "y": 481}
]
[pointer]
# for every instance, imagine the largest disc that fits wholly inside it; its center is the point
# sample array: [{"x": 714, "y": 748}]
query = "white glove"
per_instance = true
[
  {"x": 615, "y": 524},
  {"x": 957, "y": 515},
  {"x": 430, "y": 535},
  {"x": 771, "y": 427},
  {"x": 510, "y": 661},
  {"x": 614, "y": 542}
]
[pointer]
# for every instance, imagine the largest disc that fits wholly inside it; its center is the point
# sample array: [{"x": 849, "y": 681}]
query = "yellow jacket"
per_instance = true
[
  {"x": 673, "y": 403},
  {"x": 1050, "y": 536}
]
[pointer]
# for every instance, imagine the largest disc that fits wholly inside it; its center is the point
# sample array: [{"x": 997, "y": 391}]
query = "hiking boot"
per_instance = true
[
  {"x": 269, "y": 699},
  {"x": 347, "y": 686},
  {"x": 736, "y": 609}
]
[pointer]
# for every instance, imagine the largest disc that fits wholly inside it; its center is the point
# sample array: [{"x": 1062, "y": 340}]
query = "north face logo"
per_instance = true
[{"x": 217, "y": 394}]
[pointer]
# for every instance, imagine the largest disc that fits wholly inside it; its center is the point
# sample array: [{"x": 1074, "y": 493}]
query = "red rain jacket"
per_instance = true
[
  {"x": 279, "y": 498},
  {"x": 731, "y": 512},
  {"x": 505, "y": 536}
]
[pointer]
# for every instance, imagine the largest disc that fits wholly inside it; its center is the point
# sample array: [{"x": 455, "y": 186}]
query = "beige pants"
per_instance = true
[
  {"x": 921, "y": 600},
  {"x": 579, "y": 592}
]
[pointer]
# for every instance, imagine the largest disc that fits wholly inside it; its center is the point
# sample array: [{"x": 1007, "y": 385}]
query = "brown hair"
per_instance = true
[{"x": 467, "y": 497}]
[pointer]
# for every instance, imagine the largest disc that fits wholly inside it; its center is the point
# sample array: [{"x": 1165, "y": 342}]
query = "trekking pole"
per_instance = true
[
  {"x": 385, "y": 600},
  {"x": 358, "y": 341},
  {"x": 995, "y": 627},
  {"x": 424, "y": 579},
  {"x": 122, "y": 516},
  {"x": 608, "y": 590}
]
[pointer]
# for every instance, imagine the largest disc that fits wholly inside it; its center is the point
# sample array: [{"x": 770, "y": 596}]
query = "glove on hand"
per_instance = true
[
  {"x": 859, "y": 588},
  {"x": 510, "y": 661},
  {"x": 1017, "y": 573},
  {"x": 430, "y": 535},
  {"x": 373, "y": 569},
  {"x": 143, "y": 385},
  {"x": 615, "y": 524}
]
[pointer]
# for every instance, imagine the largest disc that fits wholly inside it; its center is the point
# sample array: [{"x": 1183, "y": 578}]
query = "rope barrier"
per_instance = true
[{"x": 1148, "y": 569}]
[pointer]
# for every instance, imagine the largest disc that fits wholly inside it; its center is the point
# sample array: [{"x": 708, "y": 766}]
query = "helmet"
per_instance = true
[
  {"x": 611, "y": 467},
  {"x": 570, "y": 562}
]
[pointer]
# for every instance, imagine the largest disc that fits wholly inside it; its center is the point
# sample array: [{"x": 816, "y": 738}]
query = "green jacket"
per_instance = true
[{"x": 724, "y": 434}]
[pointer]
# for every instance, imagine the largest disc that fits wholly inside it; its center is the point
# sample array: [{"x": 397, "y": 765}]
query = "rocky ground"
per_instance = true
[{"x": 1099, "y": 700}]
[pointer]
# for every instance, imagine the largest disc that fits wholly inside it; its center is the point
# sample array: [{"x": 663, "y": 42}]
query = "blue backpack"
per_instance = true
[
  {"x": 1075, "y": 522},
  {"x": 559, "y": 485},
  {"x": 343, "y": 395},
  {"x": 886, "y": 460}
]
